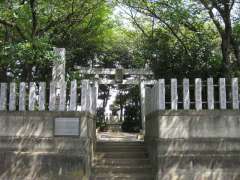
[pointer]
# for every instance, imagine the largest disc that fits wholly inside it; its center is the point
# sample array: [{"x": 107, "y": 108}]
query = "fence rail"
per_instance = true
[
  {"x": 55, "y": 96},
  {"x": 199, "y": 95}
]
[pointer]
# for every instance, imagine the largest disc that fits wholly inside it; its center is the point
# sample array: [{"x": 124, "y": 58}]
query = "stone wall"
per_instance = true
[
  {"x": 194, "y": 144},
  {"x": 29, "y": 149}
]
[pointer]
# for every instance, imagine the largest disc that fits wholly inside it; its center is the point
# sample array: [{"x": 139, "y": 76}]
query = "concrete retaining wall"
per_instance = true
[
  {"x": 194, "y": 144},
  {"x": 29, "y": 149}
]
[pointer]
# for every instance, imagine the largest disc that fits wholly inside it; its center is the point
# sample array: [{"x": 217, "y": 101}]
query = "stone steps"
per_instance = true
[
  {"x": 110, "y": 144},
  {"x": 121, "y": 161},
  {"x": 123, "y": 177},
  {"x": 122, "y": 169},
  {"x": 122, "y": 155},
  {"x": 121, "y": 148}
]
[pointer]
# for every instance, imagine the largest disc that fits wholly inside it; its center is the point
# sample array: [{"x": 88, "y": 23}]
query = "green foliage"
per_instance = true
[
  {"x": 168, "y": 57},
  {"x": 22, "y": 56},
  {"x": 132, "y": 115}
]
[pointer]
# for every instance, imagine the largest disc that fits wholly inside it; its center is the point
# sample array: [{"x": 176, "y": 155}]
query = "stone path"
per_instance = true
[{"x": 119, "y": 136}]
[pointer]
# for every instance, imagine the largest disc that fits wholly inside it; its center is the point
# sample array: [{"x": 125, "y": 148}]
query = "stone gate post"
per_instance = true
[{"x": 143, "y": 110}]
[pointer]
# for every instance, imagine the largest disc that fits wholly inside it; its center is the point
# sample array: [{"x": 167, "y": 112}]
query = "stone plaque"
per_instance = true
[{"x": 66, "y": 127}]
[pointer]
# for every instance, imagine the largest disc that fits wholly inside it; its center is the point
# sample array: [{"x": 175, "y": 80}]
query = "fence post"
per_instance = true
[
  {"x": 85, "y": 104},
  {"x": 42, "y": 96},
  {"x": 52, "y": 96},
  {"x": 3, "y": 96},
  {"x": 62, "y": 101},
  {"x": 198, "y": 94},
  {"x": 73, "y": 96},
  {"x": 93, "y": 102},
  {"x": 235, "y": 96},
  {"x": 22, "y": 96},
  {"x": 210, "y": 93},
  {"x": 32, "y": 96},
  {"x": 161, "y": 94},
  {"x": 12, "y": 97},
  {"x": 174, "y": 94},
  {"x": 222, "y": 93},
  {"x": 186, "y": 94}
]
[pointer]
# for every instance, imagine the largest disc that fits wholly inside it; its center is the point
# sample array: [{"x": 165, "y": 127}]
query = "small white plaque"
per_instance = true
[{"x": 66, "y": 127}]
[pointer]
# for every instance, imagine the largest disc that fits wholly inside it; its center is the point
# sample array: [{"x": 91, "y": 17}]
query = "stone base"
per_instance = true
[
  {"x": 116, "y": 127},
  {"x": 194, "y": 145}
]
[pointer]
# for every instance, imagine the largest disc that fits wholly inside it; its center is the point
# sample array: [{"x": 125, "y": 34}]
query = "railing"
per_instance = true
[
  {"x": 55, "y": 96},
  {"x": 199, "y": 95}
]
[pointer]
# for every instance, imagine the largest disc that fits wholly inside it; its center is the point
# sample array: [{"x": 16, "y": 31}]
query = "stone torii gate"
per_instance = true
[{"x": 141, "y": 79}]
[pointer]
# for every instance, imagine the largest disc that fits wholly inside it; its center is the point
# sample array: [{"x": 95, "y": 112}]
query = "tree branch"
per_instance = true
[
  {"x": 34, "y": 17},
  {"x": 14, "y": 26}
]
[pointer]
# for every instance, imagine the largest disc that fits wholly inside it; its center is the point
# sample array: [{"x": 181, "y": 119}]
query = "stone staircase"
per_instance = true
[{"x": 121, "y": 161}]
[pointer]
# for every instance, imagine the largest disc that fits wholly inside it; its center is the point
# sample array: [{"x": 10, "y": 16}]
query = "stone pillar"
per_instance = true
[
  {"x": 58, "y": 75},
  {"x": 143, "y": 110}
]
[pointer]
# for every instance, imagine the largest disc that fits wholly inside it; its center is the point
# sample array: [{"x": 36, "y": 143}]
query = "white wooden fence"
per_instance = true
[
  {"x": 55, "y": 96},
  {"x": 200, "y": 95}
]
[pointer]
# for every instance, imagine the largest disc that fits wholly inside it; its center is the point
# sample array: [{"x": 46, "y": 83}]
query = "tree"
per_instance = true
[
  {"x": 174, "y": 39},
  {"x": 221, "y": 14},
  {"x": 31, "y": 25}
]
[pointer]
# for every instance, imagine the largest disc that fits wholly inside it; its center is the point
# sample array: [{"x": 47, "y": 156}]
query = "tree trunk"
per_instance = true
[
  {"x": 226, "y": 51},
  {"x": 3, "y": 75},
  {"x": 27, "y": 73}
]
